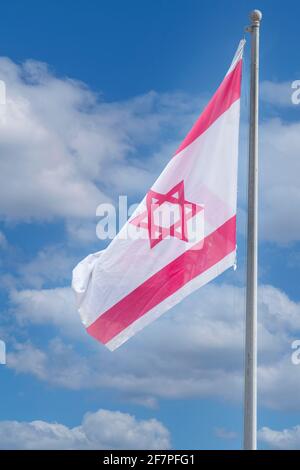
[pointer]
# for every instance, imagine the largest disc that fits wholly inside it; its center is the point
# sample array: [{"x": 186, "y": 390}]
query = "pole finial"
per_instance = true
[{"x": 256, "y": 16}]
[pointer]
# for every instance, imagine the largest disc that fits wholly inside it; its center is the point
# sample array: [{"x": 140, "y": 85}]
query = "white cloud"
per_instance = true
[
  {"x": 278, "y": 312},
  {"x": 287, "y": 439},
  {"x": 3, "y": 241},
  {"x": 223, "y": 433},
  {"x": 33, "y": 360},
  {"x": 52, "y": 264},
  {"x": 64, "y": 150},
  {"x": 47, "y": 306},
  {"x": 100, "y": 430},
  {"x": 279, "y": 166},
  {"x": 37, "y": 168},
  {"x": 81, "y": 231},
  {"x": 279, "y": 186},
  {"x": 280, "y": 383},
  {"x": 277, "y": 93}
]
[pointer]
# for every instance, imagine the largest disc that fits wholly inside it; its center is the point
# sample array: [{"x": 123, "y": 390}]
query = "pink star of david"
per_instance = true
[{"x": 157, "y": 230}]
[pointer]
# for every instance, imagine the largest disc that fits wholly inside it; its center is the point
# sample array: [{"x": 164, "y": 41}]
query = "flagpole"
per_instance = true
[{"x": 250, "y": 399}]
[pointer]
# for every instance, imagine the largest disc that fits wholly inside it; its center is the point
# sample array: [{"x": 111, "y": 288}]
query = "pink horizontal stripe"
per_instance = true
[
  {"x": 165, "y": 282},
  {"x": 228, "y": 92}
]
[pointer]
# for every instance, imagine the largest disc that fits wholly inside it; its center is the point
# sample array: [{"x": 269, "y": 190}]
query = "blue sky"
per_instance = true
[{"x": 98, "y": 96}]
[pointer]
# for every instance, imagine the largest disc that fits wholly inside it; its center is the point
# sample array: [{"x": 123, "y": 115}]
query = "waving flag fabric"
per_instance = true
[{"x": 182, "y": 235}]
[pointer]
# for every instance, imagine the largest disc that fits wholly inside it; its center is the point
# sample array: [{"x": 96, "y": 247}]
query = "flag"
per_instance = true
[{"x": 181, "y": 236}]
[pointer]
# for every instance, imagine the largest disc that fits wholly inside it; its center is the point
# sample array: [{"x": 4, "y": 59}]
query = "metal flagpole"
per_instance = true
[{"x": 250, "y": 400}]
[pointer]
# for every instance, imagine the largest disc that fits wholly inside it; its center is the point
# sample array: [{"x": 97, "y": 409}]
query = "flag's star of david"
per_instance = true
[{"x": 158, "y": 206}]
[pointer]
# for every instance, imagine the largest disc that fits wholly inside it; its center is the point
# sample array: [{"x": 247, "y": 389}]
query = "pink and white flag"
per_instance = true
[{"x": 182, "y": 235}]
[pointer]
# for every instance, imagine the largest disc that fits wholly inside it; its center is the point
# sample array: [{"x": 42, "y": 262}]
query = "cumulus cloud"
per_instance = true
[
  {"x": 100, "y": 430},
  {"x": 278, "y": 166},
  {"x": 64, "y": 150},
  {"x": 3, "y": 241},
  {"x": 37, "y": 172},
  {"x": 277, "y": 93},
  {"x": 280, "y": 190},
  {"x": 47, "y": 306},
  {"x": 199, "y": 353},
  {"x": 287, "y": 439},
  {"x": 51, "y": 265},
  {"x": 280, "y": 383}
]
